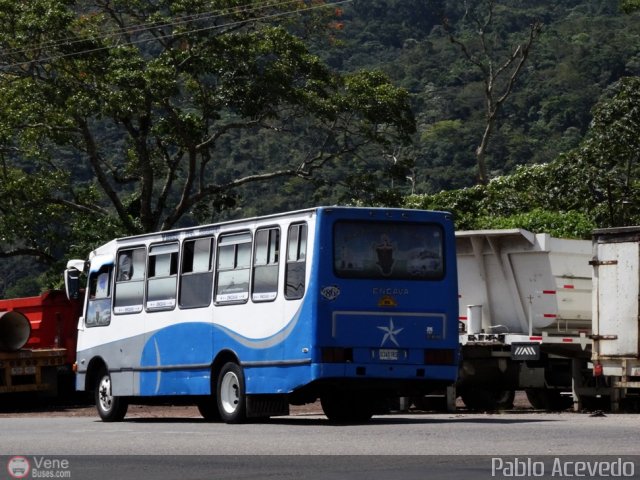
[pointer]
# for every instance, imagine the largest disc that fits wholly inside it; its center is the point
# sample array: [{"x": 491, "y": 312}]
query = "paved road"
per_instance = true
[
  {"x": 292, "y": 444},
  {"x": 411, "y": 434}
]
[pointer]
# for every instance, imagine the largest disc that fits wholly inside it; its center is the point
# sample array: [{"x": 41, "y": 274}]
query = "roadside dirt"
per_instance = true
[{"x": 29, "y": 406}]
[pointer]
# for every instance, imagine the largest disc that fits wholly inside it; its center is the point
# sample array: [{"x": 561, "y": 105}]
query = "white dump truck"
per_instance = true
[
  {"x": 616, "y": 313},
  {"x": 525, "y": 319}
]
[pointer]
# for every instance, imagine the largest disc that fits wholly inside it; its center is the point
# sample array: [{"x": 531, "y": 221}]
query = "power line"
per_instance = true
[
  {"x": 150, "y": 26},
  {"x": 142, "y": 27}
]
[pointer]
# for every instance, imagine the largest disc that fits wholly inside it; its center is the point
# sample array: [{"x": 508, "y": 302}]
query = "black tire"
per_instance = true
[
  {"x": 431, "y": 403},
  {"x": 593, "y": 404},
  {"x": 345, "y": 408},
  {"x": 208, "y": 408},
  {"x": 548, "y": 399},
  {"x": 110, "y": 408},
  {"x": 230, "y": 394},
  {"x": 480, "y": 399}
]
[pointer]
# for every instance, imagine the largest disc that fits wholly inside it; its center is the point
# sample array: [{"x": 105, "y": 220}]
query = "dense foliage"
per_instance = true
[
  {"x": 584, "y": 47},
  {"x": 594, "y": 185},
  {"x": 120, "y": 118}
]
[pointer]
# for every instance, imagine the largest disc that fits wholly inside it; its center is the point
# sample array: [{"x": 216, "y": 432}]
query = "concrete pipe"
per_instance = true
[{"x": 15, "y": 330}]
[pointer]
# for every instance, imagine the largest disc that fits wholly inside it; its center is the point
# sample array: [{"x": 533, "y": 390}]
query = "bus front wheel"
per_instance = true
[
  {"x": 208, "y": 408},
  {"x": 110, "y": 408},
  {"x": 231, "y": 394}
]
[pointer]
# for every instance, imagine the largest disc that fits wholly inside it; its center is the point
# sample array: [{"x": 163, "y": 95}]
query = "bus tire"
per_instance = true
[
  {"x": 208, "y": 408},
  {"x": 346, "y": 408},
  {"x": 110, "y": 408},
  {"x": 231, "y": 395}
]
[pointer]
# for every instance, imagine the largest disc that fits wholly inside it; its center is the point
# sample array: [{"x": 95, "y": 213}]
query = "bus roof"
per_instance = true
[{"x": 196, "y": 230}]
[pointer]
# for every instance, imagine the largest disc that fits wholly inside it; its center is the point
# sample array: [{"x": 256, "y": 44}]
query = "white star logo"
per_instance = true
[{"x": 390, "y": 333}]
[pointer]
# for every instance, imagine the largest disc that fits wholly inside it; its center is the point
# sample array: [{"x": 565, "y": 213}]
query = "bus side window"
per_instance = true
[
  {"x": 129, "y": 291},
  {"x": 196, "y": 275},
  {"x": 296, "y": 262},
  {"x": 162, "y": 274},
  {"x": 265, "y": 265},
  {"x": 234, "y": 262},
  {"x": 99, "y": 307}
]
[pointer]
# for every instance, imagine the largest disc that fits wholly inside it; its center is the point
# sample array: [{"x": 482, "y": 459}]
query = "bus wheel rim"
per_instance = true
[
  {"x": 229, "y": 392},
  {"x": 105, "y": 397}
]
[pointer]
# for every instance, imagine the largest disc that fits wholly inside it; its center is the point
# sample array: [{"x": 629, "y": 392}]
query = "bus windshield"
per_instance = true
[{"x": 384, "y": 250}]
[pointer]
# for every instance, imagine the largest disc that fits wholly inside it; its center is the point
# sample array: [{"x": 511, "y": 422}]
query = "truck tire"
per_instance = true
[
  {"x": 110, "y": 408},
  {"x": 230, "y": 394},
  {"x": 430, "y": 403},
  {"x": 548, "y": 399},
  {"x": 592, "y": 404},
  {"x": 480, "y": 399}
]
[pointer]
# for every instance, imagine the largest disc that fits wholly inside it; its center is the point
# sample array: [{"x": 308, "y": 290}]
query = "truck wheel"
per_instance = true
[
  {"x": 231, "y": 395},
  {"x": 110, "y": 408},
  {"x": 488, "y": 400},
  {"x": 430, "y": 403},
  {"x": 592, "y": 404},
  {"x": 548, "y": 399},
  {"x": 346, "y": 408}
]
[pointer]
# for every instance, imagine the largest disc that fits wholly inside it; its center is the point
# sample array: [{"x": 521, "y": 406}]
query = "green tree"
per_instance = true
[
  {"x": 498, "y": 76},
  {"x": 611, "y": 152},
  {"x": 594, "y": 185},
  {"x": 113, "y": 116},
  {"x": 629, "y": 6}
]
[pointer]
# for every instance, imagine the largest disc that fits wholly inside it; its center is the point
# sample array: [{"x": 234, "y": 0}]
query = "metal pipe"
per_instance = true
[{"x": 15, "y": 330}]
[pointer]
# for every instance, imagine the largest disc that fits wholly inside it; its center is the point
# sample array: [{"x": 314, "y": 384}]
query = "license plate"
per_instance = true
[
  {"x": 23, "y": 370},
  {"x": 388, "y": 354}
]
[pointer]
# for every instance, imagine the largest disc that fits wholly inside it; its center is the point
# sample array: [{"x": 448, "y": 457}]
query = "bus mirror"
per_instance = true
[{"x": 72, "y": 282}]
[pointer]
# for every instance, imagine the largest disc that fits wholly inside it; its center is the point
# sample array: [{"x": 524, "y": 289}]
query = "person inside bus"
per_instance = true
[{"x": 125, "y": 267}]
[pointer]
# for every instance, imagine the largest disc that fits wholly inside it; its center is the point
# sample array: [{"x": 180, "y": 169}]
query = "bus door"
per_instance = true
[
  {"x": 127, "y": 327},
  {"x": 101, "y": 329}
]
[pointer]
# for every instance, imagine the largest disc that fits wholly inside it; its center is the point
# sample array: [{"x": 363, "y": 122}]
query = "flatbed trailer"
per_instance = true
[{"x": 31, "y": 370}]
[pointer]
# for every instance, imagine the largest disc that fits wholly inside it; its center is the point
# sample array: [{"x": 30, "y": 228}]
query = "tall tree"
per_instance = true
[
  {"x": 498, "y": 75},
  {"x": 629, "y": 6},
  {"x": 611, "y": 153},
  {"x": 113, "y": 114}
]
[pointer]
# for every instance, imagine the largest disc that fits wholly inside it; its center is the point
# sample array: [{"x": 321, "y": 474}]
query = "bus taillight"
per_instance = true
[
  {"x": 337, "y": 355},
  {"x": 439, "y": 356}
]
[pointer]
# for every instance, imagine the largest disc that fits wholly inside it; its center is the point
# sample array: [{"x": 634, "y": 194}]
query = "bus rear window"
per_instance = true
[{"x": 388, "y": 250}]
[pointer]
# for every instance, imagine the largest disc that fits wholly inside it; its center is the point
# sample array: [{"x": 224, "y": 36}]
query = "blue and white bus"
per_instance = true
[{"x": 352, "y": 306}]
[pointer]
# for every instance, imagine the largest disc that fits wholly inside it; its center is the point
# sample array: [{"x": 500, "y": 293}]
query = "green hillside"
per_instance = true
[{"x": 134, "y": 116}]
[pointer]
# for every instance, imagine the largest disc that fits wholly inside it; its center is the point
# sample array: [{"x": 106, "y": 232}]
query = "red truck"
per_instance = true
[{"x": 37, "y": 343}]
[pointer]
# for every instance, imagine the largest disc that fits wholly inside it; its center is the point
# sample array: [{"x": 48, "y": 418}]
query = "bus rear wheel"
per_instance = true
[
  {"x": 347, "y": 408},
  {"x": 231, "y": 395},
  {"x": 110, "y": 408}
]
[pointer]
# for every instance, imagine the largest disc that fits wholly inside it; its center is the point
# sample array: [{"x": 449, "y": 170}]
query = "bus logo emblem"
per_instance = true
[
  {"x": 330, "y": 293},
  {"x": 390, "y": 333},
  {"x": 387, "y": 301}
]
